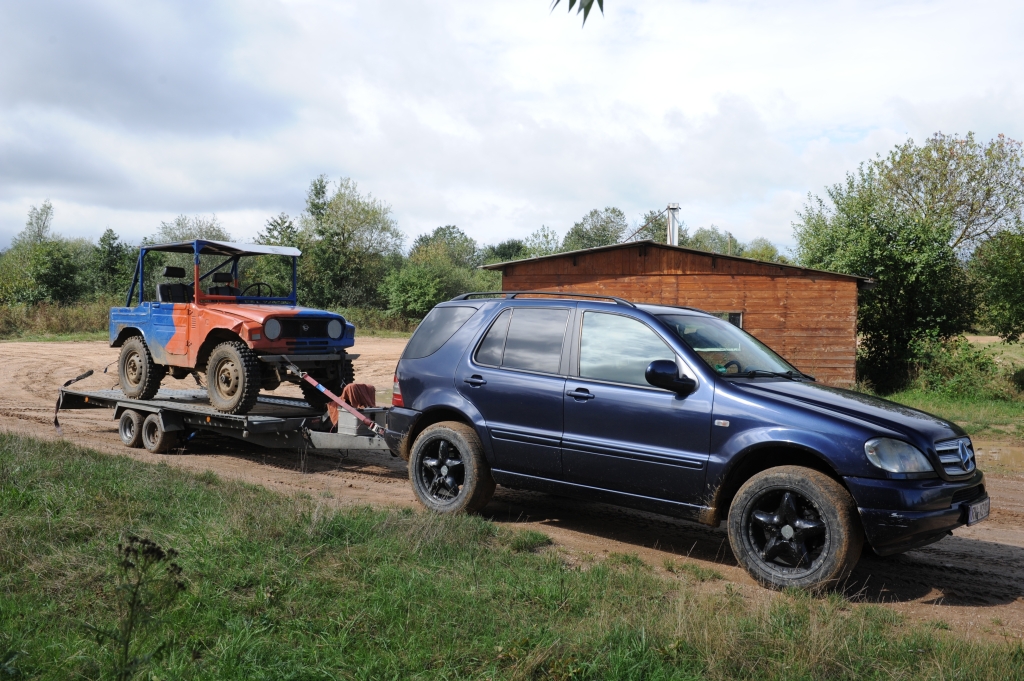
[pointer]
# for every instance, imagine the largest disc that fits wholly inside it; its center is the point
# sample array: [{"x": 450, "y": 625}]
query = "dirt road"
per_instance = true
[{"x": 972, "y": 581}]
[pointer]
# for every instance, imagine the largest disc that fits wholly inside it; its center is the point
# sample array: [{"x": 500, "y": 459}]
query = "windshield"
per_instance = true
[{"x": 725, "y": 348}]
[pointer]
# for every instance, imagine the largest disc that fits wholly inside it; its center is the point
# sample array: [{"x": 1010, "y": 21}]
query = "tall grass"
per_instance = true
[
  {"x": 49, "y": 319},
  {"x": 284, "y": 587}
]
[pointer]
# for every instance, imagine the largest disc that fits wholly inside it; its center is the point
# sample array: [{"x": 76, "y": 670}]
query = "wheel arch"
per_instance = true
[
  {"x": 437, "y": 415},
  {"x": 125, "y": 333},
  {"x": 762, "y": 457},
  {"x": 212, "y": 340}
]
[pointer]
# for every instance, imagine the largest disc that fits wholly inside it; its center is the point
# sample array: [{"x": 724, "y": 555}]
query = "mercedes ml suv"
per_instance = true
[{"x": 676, "y": 411}]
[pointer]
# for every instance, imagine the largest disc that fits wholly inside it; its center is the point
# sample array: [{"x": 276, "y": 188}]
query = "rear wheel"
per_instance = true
[
  {"x": 795, "y": 527},
  {"x": 137, "y": 373},
  {"x": 130, "y": 428},
  {"x": 155, "y": 439},
  {"x": 233, "y": 378},
  {"x": 448, "y": 470}
]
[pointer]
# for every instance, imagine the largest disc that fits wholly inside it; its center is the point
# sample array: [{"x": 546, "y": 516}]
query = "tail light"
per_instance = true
[{"x": 396, "y": 394}]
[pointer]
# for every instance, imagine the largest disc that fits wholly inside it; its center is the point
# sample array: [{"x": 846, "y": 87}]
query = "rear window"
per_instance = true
[
  {"x": 534, "y": 340},
  {"x": 435, "y": 330}
]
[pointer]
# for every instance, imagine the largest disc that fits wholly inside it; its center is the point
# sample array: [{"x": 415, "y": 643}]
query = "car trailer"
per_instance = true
[{"x": 173, "y": 417}]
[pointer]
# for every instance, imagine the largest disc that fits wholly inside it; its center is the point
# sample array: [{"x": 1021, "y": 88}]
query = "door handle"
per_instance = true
[
  {"x": 476, "y": 381},
  {"x": 581, "y": 394}
]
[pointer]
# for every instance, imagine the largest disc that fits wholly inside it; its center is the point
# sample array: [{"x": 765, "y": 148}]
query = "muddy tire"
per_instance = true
[
  {"x": 448, "y": 470},
  {"x": 130, "y": 428},
  {"x": 792, "y": 526},
  {"x": 157, "y": 440},
  {"x": 233, "y": 378},
  {"x": 137, "y": 373}
]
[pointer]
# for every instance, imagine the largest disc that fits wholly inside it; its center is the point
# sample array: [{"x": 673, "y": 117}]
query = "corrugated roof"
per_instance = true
[{"x": 655, "y": 244}]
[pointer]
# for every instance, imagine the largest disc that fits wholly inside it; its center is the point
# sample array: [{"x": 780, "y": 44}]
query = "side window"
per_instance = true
[
  {"x": 618, "y": 349},
  {"x": 534, "y": 340},
  {"x": 435, "y": 330},
  {"x": 493, "y": 344}
]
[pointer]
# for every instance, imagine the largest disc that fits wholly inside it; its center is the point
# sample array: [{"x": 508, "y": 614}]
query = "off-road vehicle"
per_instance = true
[
  {"x": 676, "y": 411},
  {"x": 242, "y": 334}
]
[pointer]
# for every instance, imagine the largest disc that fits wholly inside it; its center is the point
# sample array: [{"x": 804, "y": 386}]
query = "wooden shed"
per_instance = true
[{"x": 807, "y": 316}]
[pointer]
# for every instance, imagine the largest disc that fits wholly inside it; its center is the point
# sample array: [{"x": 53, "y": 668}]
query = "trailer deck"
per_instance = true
[{"x": 275, "y": 422}]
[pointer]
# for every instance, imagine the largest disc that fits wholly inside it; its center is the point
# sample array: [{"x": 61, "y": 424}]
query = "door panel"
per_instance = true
[
  {"x": 522, "y": 408},
  {"x": 622, "y": 434}
]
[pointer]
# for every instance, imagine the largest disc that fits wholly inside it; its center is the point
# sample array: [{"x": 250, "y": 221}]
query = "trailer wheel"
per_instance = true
[
  {"x": 130, "y": 428},
  {"x": 792, "y": 526},
  {"x": 233, "y": 378},
  {"x": 138, "y": 374},
  {"x": 448, "y": 471},
  {"x": 155, "y": 438}
]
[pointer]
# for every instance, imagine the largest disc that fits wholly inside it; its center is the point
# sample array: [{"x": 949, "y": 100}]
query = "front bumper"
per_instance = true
[{"x": 900, "y": 515}]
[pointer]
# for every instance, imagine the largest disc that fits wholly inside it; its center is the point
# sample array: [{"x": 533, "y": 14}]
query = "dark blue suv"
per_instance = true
[{"x": 676, "y": 411}]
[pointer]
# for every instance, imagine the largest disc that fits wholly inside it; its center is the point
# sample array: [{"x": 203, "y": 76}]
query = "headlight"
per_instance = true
[
  {"x": 896, "y": 456},
  {"x": 272, "y": 328},
  {"x": 335, "y": 328}
]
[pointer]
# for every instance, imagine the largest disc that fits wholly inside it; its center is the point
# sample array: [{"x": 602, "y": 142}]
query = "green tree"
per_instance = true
[
  {"x": 596, "y": 228},
  {"x": 713, "y": 240},
  {"x": 351, "y": 243},
  {"x": 54, "y": 269},
  {"x": 448, "y": 246},
  {"x": 653, "y": 226},
  {"x": 505, "y": 251},
  {"x": 37, "y": 227},
  {"x": 978, "y": 189},
  {"x": 543, "y": 241},
  {"x": 760, "y": 248},
  {"x": 998, "y": 267},
  {"x": 113, "y": 264},
  {"x": 275, "y": 270},
  {"x": 585, "y": 7},
  {"x": 921, "y": 290}
]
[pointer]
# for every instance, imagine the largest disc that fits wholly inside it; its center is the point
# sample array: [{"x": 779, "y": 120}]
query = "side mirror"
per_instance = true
[{"x": 663, "y": 373}]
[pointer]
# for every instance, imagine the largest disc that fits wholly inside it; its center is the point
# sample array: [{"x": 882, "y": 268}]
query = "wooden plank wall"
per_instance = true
[{"x": 809, "y": 318}]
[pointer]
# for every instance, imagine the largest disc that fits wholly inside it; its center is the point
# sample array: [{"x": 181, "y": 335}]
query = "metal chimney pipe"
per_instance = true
[{"x": 673, "y": 226}]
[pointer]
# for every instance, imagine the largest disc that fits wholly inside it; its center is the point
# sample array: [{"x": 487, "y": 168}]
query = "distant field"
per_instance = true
[
  {"x": 995, "y": 419},
  {"x": 287, "y": 587}
]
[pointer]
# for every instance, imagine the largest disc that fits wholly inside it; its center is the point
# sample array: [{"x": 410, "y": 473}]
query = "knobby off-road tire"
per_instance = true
[
  {"x": 157, "y": 440},
  {"x": 137, "y": 373},
  {"x": 233, "y": 378},
  {"x": 448, "y": 470},
  {"x": 792, "y": 526},
  {"x": 130, "y": 428}
]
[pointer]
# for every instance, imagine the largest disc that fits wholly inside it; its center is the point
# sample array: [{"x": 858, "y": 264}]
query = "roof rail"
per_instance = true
[{"x": 563, "y": 294}]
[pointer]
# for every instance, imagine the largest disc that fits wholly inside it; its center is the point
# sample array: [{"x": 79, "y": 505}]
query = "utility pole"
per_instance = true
[{"x": 673, "y": 224}]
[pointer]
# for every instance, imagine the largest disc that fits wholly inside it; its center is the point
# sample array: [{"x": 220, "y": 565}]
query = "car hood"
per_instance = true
[
  {"x": 871, "y": 411},
  {"x": 260, "y": 313}
]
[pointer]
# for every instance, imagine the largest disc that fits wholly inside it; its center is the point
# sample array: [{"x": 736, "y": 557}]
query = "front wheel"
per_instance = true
[
  {"x": 448, "y": 470},
  {"x": 233, "y": 378},
  {"x": 795, "y": 527}
]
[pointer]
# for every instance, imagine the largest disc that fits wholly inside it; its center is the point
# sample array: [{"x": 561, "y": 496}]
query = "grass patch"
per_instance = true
[
  {"x": 46, "y": 321},
  {"x": 283, "y": 587},
  {"x": 529, "y": 540},
  {"x": 997, "y": 419},
  {"x": 693, "y": 570}
]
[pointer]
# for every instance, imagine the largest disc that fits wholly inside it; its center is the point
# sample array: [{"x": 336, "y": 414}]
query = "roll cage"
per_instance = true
[{"x": 231, "y": 252}]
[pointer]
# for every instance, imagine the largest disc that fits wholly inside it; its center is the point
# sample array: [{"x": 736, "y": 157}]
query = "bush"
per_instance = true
[
  {"x": 48, "y": 318},
  {"x": 372, "y": 319},
  {"x": 955, "y": 368}
]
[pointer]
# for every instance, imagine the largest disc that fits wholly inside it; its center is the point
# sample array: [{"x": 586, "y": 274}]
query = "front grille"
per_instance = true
[
  {"x": 303, "y": 327},
  {"x": 956, "y": 456},
  {"x": 964, "y": 496}
]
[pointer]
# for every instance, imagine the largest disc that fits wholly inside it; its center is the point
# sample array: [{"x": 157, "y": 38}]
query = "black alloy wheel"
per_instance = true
[
  {"x": 442, "y": 472},
  {"x": 787, "y": 531},
  {"x": 792, "y": 526},
  {"x": 448, "y": 469}
]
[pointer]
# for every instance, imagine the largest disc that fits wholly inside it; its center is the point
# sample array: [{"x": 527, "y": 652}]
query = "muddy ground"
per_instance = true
[{"x": 972, "y": 581}]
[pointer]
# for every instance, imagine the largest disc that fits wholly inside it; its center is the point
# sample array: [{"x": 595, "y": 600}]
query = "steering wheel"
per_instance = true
[
  {"x": 730, "y": 363},
  {"x": 258, "y": 285}
]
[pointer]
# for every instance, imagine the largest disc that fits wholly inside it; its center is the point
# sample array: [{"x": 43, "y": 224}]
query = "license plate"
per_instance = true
[{"x": 978, "y": 511}]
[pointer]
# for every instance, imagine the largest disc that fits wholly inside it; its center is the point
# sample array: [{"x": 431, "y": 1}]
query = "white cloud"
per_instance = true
[{"x": 497, "y": 117}]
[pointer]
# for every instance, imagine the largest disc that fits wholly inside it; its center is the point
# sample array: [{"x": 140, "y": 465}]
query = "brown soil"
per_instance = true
[{"x": 972, "y": 581}]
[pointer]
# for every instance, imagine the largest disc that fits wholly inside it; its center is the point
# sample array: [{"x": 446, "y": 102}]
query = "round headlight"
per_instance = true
[
  {"x": 335, "y": 328},
  {"x": 896, "y": 456},
  {"x": 272, "y": 328}
]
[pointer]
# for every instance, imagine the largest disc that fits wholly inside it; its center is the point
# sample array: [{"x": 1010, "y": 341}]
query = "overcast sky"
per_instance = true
[{"x": 496, "y": 116}]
